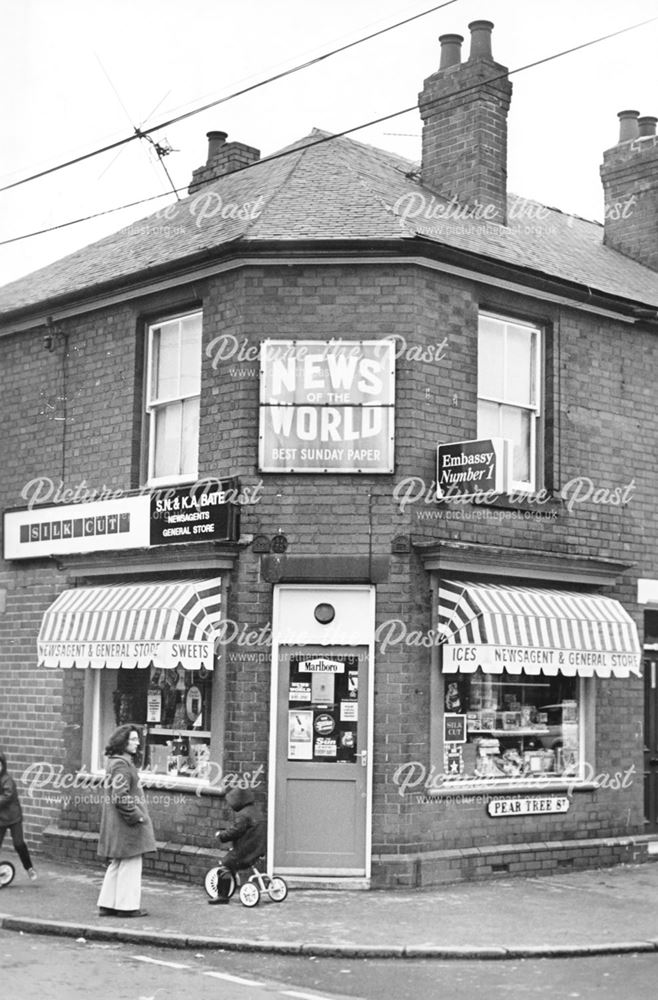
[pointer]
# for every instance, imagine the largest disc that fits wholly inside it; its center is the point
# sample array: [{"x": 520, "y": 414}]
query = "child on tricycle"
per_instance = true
[{"x": 248, "y": 835}]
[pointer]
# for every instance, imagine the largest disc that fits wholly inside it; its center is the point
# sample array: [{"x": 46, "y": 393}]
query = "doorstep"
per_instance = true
[{"x": 326, "y": 882}]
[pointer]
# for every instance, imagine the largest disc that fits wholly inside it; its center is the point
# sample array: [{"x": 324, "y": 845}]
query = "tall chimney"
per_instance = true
[
  {"x": 464, "y": 109},
  {"x": 223, "y": 158},
  {"x": 629, "y": 173}
]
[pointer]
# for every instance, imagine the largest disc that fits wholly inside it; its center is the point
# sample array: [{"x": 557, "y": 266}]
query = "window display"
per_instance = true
[
  {"x": 515, "y": 726},
  {"x": 173, "y": 706}
]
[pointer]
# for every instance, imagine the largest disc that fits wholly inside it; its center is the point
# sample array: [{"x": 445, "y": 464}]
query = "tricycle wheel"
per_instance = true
[
  {"x": 277, "y": 889},
  {"x": 249, "y": 894},
  {"x": 7, "y": 872},
  {"x": 219, "y": 879}
]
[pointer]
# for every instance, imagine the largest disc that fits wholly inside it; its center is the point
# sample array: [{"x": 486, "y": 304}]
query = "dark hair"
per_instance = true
[{"x": 118, "y": 741}]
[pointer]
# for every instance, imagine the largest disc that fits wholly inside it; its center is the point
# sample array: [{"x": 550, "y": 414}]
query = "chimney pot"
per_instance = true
[
  {"x": 215, "y": 142},
  {"x": 647, "y": 125},
  {"x": 451, "y": 50},
  {"x": 480, "y": 40},
  {"x": 628, "y": 126}
]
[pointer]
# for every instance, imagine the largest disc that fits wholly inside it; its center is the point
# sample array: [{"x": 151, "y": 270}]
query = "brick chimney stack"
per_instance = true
[
  {"x": 223, "y": 158},
  {"x": 464, "y": 110},
  {"x": 630, "y": 185}
]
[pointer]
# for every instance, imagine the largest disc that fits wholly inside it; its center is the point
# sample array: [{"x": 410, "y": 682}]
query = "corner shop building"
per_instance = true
[{"x": 419, "y": 698}]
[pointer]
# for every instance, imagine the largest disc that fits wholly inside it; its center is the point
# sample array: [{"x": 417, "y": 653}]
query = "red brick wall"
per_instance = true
[{"x": 601, "y": 417}]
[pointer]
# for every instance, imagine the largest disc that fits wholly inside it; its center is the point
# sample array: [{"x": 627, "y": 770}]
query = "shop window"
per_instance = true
[
  {"x": 509, "y": 393},
  {"x": 171, "y": 708},
  {"x": 516, "y": 726},
  {"x": 172, "y": 398}
]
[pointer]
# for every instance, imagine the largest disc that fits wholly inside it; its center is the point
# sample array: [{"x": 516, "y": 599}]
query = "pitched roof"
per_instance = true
[{"x": 324, "y": 188}]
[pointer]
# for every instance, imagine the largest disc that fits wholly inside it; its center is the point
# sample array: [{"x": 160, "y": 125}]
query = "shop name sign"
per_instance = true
[
  {"x": 528, "y": 805},
  {"x": 466, "y": 658},
  {"x": 467, "y": 468},
  {"x": 185, "y": 514},
  {"x": 164, "y": 654},
  {"x": 327, "y": 406}
]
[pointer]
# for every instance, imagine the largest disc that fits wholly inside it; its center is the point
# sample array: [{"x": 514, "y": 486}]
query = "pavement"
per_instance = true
[{"x": 601, "y": 911}]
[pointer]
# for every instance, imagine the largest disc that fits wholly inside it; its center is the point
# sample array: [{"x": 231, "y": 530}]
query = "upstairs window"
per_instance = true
[
  {"x": 172, "y": 399},
  {"x": 509, "y": 392}
]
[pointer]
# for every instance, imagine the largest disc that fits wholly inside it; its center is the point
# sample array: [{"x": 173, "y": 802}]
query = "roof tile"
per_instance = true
[{"x": 324, "y": 188}]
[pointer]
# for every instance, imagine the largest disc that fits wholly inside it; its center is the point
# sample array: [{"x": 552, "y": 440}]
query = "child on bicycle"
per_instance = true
[{"x": 248, "y": 834}]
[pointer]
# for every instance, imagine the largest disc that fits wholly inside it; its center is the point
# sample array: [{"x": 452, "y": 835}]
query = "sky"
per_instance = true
[{"x": 78, "y": 74}]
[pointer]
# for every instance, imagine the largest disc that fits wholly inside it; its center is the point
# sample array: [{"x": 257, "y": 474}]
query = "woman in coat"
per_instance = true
[
  {"x": 11, "y": 817},
  {"x": 126, "y": 830}
]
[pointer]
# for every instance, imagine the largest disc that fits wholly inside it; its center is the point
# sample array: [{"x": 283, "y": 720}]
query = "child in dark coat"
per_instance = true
[
  {"x": 11, "y": 817},
  {"x": 248, "y": 835}
]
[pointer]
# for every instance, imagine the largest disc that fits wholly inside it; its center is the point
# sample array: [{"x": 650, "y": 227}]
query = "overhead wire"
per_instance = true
[
  {"x": 357, "y": 128},
  {"x": 143, "y": 133},
  {"x": 158, "y": 148},
  {"x": 88, "y": 218}
]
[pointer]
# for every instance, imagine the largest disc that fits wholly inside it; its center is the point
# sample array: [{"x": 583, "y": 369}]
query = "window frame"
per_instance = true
[
  {"x": 536, "y": 410},
  {"x": 574, "y": 776},
  {"x": 439, "y": 784},
  {"x": 153, "y": 405},
  {"x": 98, "y": 723}
]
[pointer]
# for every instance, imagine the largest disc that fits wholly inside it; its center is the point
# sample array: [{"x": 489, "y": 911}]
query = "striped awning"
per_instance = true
[
  {"x": 167, "y": 624},
  {"x": 493, "y": 627}
]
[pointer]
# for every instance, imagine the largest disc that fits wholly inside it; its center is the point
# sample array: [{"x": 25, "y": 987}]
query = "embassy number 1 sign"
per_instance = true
[
  {"x": 471, "y": 468},
  {"x": 327, "y": 406}
]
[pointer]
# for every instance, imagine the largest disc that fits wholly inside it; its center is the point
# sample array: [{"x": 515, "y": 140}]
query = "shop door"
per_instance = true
[
  {"x": 321, "y": 792},
  {"x": 651, "y": 741}
]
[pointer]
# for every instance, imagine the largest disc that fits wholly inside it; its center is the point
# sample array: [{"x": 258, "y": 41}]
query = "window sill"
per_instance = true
[
  {"x": 161, "y": 782},
  {"x": 502, "y": 786},
  {"x": 174, "y": 783},
  {"x": 540, "y": 502},
  {"x": 173, "y": 482}
]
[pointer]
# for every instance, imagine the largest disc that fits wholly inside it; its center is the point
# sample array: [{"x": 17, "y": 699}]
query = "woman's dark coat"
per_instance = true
[
  {"x": 10, "y": 807},
  {"x": 126, "y": 828}
]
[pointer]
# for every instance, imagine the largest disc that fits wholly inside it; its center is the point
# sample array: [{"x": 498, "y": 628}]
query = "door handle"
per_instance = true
[{"x": 363, "y": 754}]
